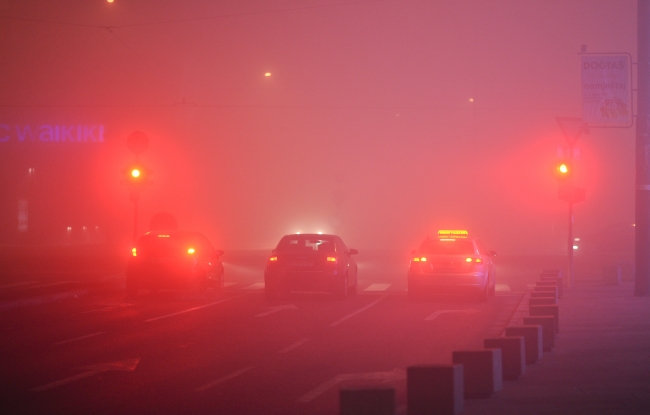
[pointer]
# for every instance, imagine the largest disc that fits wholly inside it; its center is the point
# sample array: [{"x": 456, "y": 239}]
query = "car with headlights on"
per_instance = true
[
  {"x": 452, "y": 263},
  {"x": 311, "y": 262},
  {"x": 174, "y": 259}
]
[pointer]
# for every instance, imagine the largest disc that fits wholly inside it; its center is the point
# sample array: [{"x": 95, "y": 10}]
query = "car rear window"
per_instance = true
[
  {"x": 436, "y": 247},
  {"x": 304, "y": 243},
  {"x": 162, "y": 246}
]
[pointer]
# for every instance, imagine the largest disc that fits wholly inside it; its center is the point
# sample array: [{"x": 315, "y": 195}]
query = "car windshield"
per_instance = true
[
  {"x": 305, "y": 243},
  {"x": 437, "y": 247}
]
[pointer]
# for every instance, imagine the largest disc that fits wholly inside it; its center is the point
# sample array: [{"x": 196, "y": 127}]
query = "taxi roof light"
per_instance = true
[{"x": 452, "y": 234}]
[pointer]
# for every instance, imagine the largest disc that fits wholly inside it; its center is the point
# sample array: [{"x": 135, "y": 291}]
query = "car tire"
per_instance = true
[
  {"x": 217, "y": 286},
  {"x": 484, "y": 294},
  {"x": 493, "y": 288},
  {"x": 343, "y": 289},
  {"x": 355, "y": 287}
]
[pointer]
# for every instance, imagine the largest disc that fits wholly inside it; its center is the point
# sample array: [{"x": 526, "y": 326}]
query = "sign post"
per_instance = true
[{"x": 572, "y": 128}]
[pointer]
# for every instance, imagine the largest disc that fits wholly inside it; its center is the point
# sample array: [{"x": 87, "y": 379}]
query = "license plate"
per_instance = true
[{"x": 302, "y": 263}]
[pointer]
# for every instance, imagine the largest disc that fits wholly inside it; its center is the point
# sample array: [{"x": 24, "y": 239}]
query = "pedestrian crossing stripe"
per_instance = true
[{"x": 377, "y": 287}]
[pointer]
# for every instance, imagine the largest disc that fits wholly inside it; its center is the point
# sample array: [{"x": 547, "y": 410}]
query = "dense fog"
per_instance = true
[{"x": 381, "y": 121}]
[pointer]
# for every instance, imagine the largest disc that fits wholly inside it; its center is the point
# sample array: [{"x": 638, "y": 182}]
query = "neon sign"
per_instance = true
[{"x": 48, "y": 133}]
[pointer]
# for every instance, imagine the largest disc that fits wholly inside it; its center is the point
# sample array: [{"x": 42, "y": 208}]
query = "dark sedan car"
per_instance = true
[
  {"x": 174, "y": 259},
  {"x": 452, "y": 263},
  {"x": 311, "y": 262}
]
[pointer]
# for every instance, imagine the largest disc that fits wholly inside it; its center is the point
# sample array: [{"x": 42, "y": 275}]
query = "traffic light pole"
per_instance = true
[
  {"x": 570, "y": 251},
  {"x": 135, "y": 196}
]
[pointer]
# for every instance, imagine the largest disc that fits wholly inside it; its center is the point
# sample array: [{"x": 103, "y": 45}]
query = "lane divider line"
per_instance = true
[
  {"x": 377, "y": 287},
  {"x": 256, "y": 286},
  {"x": 79, "y": 338},
  {"x": 192, "y": 309},
  {"x": 293, "y": 346},
  {"x": 361, "y": 310},
  {"x": 223, "y": 379}
]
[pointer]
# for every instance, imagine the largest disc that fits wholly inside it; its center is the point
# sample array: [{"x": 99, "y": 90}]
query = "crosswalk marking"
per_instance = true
[
  {"x": 377, "y": 287},
  {"x": 256, "y": 286},
  {"x": 502, "y": 287}
]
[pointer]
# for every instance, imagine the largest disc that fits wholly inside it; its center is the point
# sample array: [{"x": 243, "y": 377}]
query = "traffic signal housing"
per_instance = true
[{"x": 566, "y": 190}]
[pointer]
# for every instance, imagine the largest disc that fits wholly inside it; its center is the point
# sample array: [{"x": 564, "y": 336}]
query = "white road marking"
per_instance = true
[
  {"x": 229, "y": 284},
  {"x": 502, "y": 287},
  {"x": 377, "y": 287},
  {"x": 223, "y": 379},
  {"x": 293, "y": 346},
  {"x": 192, "y": 309},
  {"x": 79, "y": 338},
  {"x": 394, "y": 375},
  {"x": 337, "y": 322},
  {"x": 440, "y": 312},
  {"x": 256, "y": 286},
  {"x": 275, "y": 309},
  {"x": 531, "y": 286},
  {"x": 123, "y": 365}
]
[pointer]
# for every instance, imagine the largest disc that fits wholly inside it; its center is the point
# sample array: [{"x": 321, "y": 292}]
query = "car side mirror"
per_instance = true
[
  {"x": 493, "y": 253},
  {"x": 219, "y": 252},
  {"x": 353, "y": 252}
]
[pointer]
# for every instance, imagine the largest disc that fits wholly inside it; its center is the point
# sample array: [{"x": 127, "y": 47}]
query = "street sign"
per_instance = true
[{"x": 606, "y": 89}]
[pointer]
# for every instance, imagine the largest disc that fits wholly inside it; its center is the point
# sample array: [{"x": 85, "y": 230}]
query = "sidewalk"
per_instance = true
[{"x": 600, "y": 364}]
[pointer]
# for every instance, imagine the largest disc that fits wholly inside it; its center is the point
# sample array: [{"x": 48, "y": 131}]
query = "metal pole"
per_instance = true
[
  {"x": 642, "y": 192},
  {"x": 135, "y": 220},
  {"x": 571, "y": 278}
]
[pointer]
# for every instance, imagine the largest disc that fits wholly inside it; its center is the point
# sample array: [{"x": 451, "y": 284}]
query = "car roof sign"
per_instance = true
[{"x": 452, "y": 234}]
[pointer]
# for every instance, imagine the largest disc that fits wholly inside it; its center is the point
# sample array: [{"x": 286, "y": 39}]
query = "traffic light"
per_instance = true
[
  {"x": 137, "y": 175},
  {"x": 566, "y": 190}
]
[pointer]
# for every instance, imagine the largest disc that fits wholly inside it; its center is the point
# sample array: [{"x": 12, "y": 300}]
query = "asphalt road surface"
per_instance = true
[{"x": 235, "y": 352}]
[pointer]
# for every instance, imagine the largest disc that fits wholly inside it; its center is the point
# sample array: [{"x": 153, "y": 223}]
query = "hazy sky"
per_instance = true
[{"x": 381, "y": 121}]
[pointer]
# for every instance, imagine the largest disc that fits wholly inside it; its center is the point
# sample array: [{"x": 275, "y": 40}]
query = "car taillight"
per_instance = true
[
  {"x": 134, "y": 252},
  {"x": 273, "y": 259},
  {"x": 331, "y": 259},
  {"x": 470, "y": 259},
  {"x": 419, "y": 259}
]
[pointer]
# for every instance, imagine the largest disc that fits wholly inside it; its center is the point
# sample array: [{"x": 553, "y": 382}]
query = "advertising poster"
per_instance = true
[{"x": 606, "y": 90}]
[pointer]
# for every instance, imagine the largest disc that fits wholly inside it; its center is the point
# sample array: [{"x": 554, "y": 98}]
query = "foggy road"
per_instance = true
[{"x": 235, "y": 353}]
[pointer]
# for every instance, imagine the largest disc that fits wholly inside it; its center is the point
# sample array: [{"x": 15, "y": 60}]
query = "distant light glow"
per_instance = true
[
  {"x": 577, "y": 239},
  {"x": 320, "y": 233},
  {"x": 135, "y": 173},
  {"x": 267, "y": 74},
  {"x": 190, "y": 251},
  {"x": 471, "y": 100},
  {"x": 468, "y": 259},
  {"x": 563, "y": 168},
  {"x": 134, "y": 252},
  {"x": 110, "y": 1},
  {"x": 575, "y": 246}
]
